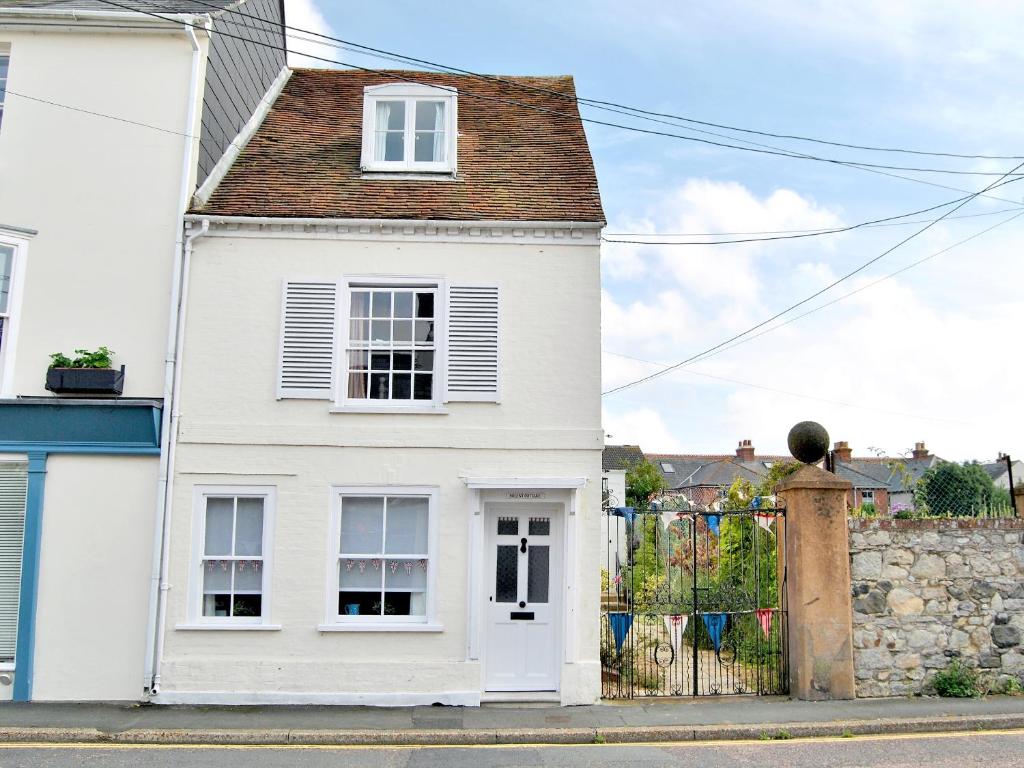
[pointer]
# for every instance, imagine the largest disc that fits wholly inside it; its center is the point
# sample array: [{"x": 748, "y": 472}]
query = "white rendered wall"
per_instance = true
[
  {"x": 102, "y": 194},
  {"x": 94, "y": 577},
  {"x": 233, "y": 431}
]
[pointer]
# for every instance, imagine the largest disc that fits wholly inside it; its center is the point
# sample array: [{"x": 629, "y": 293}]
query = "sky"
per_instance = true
[{"x": 934, "y": 353}]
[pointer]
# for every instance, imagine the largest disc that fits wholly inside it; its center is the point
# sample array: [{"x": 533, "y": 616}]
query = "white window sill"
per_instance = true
[
  {"x": 412, "y": 174},
  {"x": 418, "y": 409},
  {"x": 380, "y": 627},
  {"x": 230, "y": 627}
]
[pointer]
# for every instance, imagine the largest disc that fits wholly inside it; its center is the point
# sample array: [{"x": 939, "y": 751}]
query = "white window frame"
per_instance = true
[
  {"x": 335, "y": 622},
  {"x": 196, "y": 619},
  {"x": 342, "y": 402},
  {"x": 12, "y": 317},
  {"x": 867, "y": 496},
  {"x": 409, "y": 93}
]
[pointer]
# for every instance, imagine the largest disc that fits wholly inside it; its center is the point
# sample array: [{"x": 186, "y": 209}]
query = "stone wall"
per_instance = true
[{"x": 928, "y": 591}]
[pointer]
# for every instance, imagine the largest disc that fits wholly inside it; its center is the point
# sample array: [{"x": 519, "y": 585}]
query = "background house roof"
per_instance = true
[
  {"x": 514, "y": 163},
  {"x": 621, "y": 456}
]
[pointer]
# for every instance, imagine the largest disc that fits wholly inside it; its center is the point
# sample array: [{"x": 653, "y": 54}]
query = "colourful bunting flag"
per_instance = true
[
  {"x": 620, "y": 622},
  {"x": 715, "y": 624},
  {"x": 676, "y": 626},
  {"x": 764, "y": 618},
  {"x": 713, "y": 522},
  {"x": 627, "y": 512},
  {"x": 764, "y": 520}
]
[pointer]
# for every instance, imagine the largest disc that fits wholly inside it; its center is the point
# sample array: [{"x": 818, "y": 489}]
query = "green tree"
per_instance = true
[
  {"x": 643, "y": 483},
  {"x": 958, "y": 490}
]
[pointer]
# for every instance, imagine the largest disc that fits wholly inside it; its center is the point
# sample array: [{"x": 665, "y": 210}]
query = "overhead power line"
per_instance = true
[
  {"x": 533, "y": 107},
  {"x": 813, "y": 296},
  {"x": 801, "y": 231},
  {"x": 355, "y": 47},
  {"x": 864, "y": 287},
  {"x": 796, "y": 236},
  {"x": 800, "y": 395}
]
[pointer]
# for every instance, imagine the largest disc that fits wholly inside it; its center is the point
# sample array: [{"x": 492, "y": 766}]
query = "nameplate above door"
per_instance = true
[{"x": 526, "y": 495}]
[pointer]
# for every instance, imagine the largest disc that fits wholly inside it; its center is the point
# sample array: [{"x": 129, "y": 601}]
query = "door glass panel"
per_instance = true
[
  {"x": 506, "y": 579},
  {"x": 537, "y": 574},
  {"x": 508, "y": 526},
  {"x": 540, "y": 526}
]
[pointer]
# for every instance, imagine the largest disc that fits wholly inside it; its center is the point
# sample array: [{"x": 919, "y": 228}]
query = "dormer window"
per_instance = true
[{"x": 409, "y": 128}]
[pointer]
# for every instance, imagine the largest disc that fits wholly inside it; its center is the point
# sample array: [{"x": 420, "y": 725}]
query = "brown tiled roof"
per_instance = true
[{"x": 514, "y": 163}]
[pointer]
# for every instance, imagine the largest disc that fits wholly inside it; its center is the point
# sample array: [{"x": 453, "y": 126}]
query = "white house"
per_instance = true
[
  {"x": 108, "y": 120},
  {"x": 387, "y": 481}
]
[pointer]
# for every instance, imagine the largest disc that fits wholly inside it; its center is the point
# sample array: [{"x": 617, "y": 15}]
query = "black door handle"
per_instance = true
[{"x": 522, "y": 547}]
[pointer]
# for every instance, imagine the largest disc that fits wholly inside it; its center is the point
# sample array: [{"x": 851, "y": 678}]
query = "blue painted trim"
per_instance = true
[
  {"x": 24, "y": 653},
  {"x": 138, "y": 449}
]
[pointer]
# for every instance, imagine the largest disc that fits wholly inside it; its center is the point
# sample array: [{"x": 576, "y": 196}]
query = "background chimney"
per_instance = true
[
  {"x": 745, "y": 451},
  {"x": 920, "y": 452},
  {"x": 843, "y": 451}
]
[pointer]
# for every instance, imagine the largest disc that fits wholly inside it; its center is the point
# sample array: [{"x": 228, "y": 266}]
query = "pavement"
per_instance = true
[{"x": 657, "y": 720}]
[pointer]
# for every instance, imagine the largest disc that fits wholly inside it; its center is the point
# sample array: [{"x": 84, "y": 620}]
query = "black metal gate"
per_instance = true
[{"x": 693, "y": 601}]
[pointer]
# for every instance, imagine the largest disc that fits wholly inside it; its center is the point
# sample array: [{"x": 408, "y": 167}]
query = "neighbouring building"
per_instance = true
[
  {"x": 109, "y": 119},
  {"x": 388, "y": 463},
  {"x": 1000, "y": 472},
  {"x": 702, "y": 479},
  {"x": 616, "y": 460},
  {"x": 888, "y": 483}
]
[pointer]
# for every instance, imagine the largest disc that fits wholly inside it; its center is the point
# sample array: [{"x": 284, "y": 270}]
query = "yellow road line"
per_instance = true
[{"x": 379, "y": 747}]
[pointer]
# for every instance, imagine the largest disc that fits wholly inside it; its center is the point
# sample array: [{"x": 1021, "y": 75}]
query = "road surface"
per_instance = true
[{"x": 935, "y": 751}]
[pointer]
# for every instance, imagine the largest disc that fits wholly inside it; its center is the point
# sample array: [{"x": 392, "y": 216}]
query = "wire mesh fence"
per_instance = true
[{"x": 929, "y": 487}]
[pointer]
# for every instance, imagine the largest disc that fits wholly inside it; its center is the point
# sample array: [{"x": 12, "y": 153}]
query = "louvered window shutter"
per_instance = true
[
  {"x": 472, "y": 343},
  {"x": 307, "y": 340},
  {"x": 13, "y": 488}
]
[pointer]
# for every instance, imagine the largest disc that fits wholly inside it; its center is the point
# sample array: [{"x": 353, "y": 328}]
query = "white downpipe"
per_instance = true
[{"x": 158, "y": 582}]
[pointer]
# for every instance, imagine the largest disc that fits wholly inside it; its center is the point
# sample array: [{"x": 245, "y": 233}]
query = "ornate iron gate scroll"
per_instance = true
[{"x": 693, "y": 602}]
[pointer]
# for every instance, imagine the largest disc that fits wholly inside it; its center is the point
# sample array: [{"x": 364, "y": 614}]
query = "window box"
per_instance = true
[{"x": 92, "y": 381}]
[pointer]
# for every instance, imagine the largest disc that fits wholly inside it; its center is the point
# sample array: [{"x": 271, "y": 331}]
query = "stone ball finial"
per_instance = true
[{"x": 808, "y": 442}]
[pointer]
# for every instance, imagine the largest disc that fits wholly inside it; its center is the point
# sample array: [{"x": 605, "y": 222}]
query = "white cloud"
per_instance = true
[
  {"x": 643, "y": 427},
  {"x": 305, "y": 15}
]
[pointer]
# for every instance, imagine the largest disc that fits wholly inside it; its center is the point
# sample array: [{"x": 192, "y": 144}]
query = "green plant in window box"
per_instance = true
[
  {"x": 88, "y": 373},
  {"x": 84, "y": 358}
]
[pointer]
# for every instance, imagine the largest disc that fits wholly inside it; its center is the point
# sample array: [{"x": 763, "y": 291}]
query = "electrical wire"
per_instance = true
[
  {"x": 354, "y": 47},
  {"x": 864, "y": 287},
  {"x": 799, "y": 231},
  {"x": 556, "y": 113},
  {"x": 787, "y": 392},
  {"x": 815, "y": 233},
  {"x": 803, "y": 301}
]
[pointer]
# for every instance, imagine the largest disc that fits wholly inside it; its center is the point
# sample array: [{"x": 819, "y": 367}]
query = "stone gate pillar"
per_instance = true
[{"x": 817, "y": 558}]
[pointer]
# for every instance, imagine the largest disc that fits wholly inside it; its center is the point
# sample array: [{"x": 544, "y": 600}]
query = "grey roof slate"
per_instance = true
[
  {"x": 887, "y": 471},
  {"x": 621, "y": 456},
  {"x": 153, "y": 6}
]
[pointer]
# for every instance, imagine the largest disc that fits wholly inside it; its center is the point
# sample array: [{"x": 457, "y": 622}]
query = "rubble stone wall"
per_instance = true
[{"x": 929, "y": 591}]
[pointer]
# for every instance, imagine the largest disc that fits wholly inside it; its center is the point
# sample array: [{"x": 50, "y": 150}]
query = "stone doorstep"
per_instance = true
[{"x": 572, "y": 735}]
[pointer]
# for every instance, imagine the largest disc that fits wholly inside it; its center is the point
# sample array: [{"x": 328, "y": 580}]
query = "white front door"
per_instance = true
[{"x": 522, "y": 596}]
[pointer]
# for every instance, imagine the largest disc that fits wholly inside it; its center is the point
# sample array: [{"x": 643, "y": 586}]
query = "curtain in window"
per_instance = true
[
  {"x": 380, "y": 135},
  {"x": 439, "y": 132}
]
